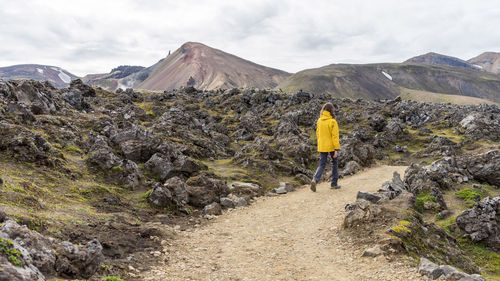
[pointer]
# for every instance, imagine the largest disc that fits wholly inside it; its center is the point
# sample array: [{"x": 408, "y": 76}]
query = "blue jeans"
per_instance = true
[{"x": 323, "y": 157}]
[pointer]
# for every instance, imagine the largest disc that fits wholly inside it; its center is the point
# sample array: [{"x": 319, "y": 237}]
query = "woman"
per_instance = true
[{"x": 327, "y": 133}]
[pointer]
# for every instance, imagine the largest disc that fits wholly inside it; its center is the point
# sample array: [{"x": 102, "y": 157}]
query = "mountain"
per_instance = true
[
  {"x": 59, "y": 77},
  {"x": 206, "y": 68},
  {"x": 123, "y": 76},
  {"x": 381, "y": 81},
  {"x": 438, "y": 59},
  {"x": 488, "y": 61}
]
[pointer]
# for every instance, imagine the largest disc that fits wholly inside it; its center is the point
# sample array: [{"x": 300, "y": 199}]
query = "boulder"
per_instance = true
[
  {"x": 160, "y": 166},
  {"x": 233, "y": 201},
  {"x": 401, "y": 149},
  {"x": 482, "y": 222},
  {"x": 163, "y": 167},
  {"x": 48, "y": 256},
  {"x": 373, "y": 198},
  {"x": 246, "y": 189},
  {"x": 76, "y": 99},
  {"x": 481, "y": 125},
  {"x": 373, "y": 252},
  {"x": 444, "y": 272},
  {"x": 12, "y": 272},
  {"x": 78, "y": 261},
  {"x": 392, "y": 189},
  {"x": 377, "y": 122},
  {"x": 226, "y": 202},
  {"x": 172, "y": 192},
  {"x": 360, "y": 212},
  {"x": 213, "y": 209},
  {"x": 203, "y": 190},
  {"x": 395, "y": 129},
  {"x": 84, "y": 89},
  {"x": 485, "y": 167},
  {"x": 160, "y": 196},
  {"x": 350, "y": 168},
  {"x": 429, "y": 269},
  {"x": 26, "y": 145},
  {"x": 136, "y": 143},
  {"x": 186, "y": 165},
  {"x": 284, "y": 188}
]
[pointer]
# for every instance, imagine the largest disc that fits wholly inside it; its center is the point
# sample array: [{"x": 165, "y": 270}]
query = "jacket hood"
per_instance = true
[{"x": 325, "y": 115}]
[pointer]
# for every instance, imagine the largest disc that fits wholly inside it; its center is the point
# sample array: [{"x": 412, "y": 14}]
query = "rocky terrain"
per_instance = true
[{"x": 112, "y": 176}]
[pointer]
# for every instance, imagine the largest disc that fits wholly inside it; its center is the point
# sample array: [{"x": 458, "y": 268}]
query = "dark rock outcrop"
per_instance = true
[
  {"x": 48, "y": 256},
  {"x": 173, "y": 192},
  {"x": 203, "y": 190},
  {"x": 482, "y": 222}
]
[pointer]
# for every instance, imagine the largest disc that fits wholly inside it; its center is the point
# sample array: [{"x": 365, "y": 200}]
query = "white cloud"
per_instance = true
[{"x": 93, "y": 36}]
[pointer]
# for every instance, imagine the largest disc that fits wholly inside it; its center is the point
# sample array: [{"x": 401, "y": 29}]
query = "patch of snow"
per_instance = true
[
  {"x": 55, "y": 68},
  {"x": 477, "y": 66},
  {"x": 387, "y": 75},
  {"x": 39, "y": 70},
  {"x": 64, "y": 77}
]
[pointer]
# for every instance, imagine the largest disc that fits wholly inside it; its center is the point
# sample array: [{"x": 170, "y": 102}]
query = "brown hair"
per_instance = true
[{"x": 328, "y": 107}]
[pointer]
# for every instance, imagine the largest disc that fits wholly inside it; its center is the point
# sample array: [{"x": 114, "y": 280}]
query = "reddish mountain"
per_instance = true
[
  {"x": 488, "y": 61},
  {"x": 203, "y": 67}
]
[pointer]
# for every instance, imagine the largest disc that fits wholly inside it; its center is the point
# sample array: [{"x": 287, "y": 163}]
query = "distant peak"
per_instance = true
[{"x": 193, "y": 44}]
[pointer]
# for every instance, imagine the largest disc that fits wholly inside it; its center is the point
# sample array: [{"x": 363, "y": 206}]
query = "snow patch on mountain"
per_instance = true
[
  {"x": 64, "y": 77},
  {"x": 40, "y": 70},
  {"x": 387, "y": 75}
]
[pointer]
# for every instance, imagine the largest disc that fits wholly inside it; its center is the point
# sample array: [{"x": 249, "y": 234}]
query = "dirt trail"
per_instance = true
[{"x": 290, "y": 237}]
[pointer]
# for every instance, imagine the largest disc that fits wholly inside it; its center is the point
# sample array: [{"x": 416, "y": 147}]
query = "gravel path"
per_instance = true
[{"x": 289, "y": 237}]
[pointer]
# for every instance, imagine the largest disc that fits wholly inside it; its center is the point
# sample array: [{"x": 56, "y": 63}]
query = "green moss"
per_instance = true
[
  {"x": 487, "y": 260},
  {"x": 402, "y": 227},
  {"x": 112, "y": 278},
  {"x": 117, "y": 169},
  {"x": 146, "y": 195},
  {"x": 447, "y": 224},
  {"x": 422, "y": 198},
  {"x": 470, "y": 196},
  {"x": 146, "y": 106},
  {"x": 73, "y": 149},
  {"x": 13, "y": 255}
]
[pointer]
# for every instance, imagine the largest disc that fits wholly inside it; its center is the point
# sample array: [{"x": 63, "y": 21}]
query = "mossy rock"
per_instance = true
[{"x": 7, "y": 249}]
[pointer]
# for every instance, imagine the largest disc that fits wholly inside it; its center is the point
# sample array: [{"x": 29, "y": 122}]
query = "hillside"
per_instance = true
[
  {"x": 119, "y": 77},
  {"x": 423, "y": 96},
  {"x": 488, "y": 61},
  {"x": 198, "y": 65},
  {"x": 439, "y": 59},
  {"x": 382, "y": 81},
  {"x": 59, "y": 77}
]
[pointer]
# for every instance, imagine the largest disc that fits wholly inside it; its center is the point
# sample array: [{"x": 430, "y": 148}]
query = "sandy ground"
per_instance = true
[{"x": 289, "y": 237}]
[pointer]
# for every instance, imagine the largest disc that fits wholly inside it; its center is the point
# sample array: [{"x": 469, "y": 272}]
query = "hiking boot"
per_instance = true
[
  {"x": 313, "y": 186},
  {"x": 335, "y": 186}
]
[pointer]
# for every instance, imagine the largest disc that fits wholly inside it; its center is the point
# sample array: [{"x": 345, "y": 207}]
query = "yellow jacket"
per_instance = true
[{"x": 327, "y": 132}]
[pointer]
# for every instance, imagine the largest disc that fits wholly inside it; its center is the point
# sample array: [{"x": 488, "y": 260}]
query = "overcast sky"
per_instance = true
[{"x": 94, "y": 36}]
